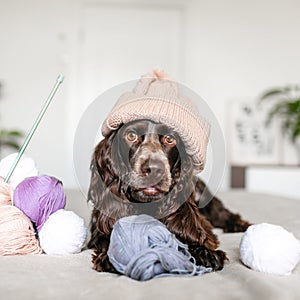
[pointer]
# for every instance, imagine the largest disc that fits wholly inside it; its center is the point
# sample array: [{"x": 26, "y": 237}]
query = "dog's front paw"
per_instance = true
[
  {"x": 214, "y": 259},
  {"x": 236, "y": 224}
]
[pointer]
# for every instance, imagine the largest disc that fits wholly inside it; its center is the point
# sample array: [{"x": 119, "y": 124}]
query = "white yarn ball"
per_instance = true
[
  {"x": 25, "y": 168},
  {"x": 269, "y": 248},
  {"x": 63, "y": 233}
]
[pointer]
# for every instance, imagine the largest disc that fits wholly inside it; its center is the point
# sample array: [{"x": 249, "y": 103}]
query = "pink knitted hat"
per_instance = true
[{"x": 157, "y": 98}]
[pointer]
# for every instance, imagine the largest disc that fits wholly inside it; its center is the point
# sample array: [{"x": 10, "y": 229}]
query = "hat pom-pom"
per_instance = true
[{"x": 159, "y": 73}]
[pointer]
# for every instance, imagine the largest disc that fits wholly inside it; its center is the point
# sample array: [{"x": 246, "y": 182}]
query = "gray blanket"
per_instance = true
[{"x": 72, "y": 277}]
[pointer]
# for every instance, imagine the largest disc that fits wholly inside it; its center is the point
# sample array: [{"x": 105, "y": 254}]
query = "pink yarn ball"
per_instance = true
[
  {"x": 6, "y": 193},
  {"x": 17, "y": 234},
  {"x": 38, "y": 197}
]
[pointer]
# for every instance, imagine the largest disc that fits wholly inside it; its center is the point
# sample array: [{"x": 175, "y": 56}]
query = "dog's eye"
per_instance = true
[
  {"x": 132, "y": 136},
  {"x": 169, "y": 140}
]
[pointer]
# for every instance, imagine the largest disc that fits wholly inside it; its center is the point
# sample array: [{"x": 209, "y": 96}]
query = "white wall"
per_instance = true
[
  {"x": 285, "y": 180},
  {"x": 36, "y": 45},
  {"x": 232, "y": 49},
  {"x": 237, "y": 49}
]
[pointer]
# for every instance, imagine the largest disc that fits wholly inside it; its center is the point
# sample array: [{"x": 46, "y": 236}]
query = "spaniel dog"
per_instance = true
[{"x": 143, "y": 168}]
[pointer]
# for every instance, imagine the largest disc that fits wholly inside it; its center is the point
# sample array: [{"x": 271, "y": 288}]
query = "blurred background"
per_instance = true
[{"x": 230, "y": 52}]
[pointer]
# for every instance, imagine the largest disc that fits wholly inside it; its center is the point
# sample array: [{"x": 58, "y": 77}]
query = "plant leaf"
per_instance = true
[
  {"x": 273, "y": 92},
  {"x": 296, "y": 131},
  {"x": 15, "y": 133},
  {"x": 293, "y": 107},
  {"x": 10, "y": 133},
  {"x": 9, "y": 138},
  {"x": 10, "y": 144},
  {"x": 278, "y": 109}
]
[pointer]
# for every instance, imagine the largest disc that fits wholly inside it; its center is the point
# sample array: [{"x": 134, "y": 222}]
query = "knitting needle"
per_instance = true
[{"x": 59, "y": 80}]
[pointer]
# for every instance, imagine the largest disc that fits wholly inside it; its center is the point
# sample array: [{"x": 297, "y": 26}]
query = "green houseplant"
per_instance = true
[
  {"x": 286, "y": 109},
  {"x": 9, "y": 138}
]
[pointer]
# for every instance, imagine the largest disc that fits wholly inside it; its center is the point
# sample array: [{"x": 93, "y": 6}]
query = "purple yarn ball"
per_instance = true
[{"x": 38, "y": 197}]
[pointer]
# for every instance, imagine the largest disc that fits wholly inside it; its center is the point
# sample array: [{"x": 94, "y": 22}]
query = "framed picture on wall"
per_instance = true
[{"x": 250, "y": 140}]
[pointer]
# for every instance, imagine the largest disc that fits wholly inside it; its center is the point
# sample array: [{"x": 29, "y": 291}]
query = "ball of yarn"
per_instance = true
[
  {"x": 63, "y": 233},
  {"x": 6, "y": 193},
  {"x": 25, "y": 168},
  {"x": 141, "y": 247},
  {"x": 17, "y": 235},
  {"x": 38, "y": 197},
  {"x": 269, "y": 248}
]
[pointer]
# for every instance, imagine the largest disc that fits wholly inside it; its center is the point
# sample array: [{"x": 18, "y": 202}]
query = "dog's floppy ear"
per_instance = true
[
  {"x": 102, "y": 173},
  {"x": 105, "y": 191},
  {"x": 96, "y": 187}
]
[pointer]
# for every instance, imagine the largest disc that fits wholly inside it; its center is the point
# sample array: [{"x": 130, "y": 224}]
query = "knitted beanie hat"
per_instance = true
[{"x": 157, "y": 98}]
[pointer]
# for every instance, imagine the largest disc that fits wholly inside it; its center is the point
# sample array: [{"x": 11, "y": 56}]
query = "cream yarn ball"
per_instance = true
[
  {"x": 269, "y": 248},
  {"x": 63, "y": 233},
  {"x": 25, "y": 168}
]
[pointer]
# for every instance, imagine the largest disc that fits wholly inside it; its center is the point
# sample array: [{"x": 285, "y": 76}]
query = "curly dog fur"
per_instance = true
[{"x": 143, "y": 168}]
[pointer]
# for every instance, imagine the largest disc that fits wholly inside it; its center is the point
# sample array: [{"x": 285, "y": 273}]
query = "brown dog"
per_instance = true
[{"x": 143, "y": 167}]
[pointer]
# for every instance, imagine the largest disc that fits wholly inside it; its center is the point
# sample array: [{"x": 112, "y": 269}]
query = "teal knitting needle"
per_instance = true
[{"x": 35, "y": 125}]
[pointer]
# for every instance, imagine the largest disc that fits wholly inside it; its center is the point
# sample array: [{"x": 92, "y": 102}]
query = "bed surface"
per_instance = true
[{"x": 72, "y": 277}]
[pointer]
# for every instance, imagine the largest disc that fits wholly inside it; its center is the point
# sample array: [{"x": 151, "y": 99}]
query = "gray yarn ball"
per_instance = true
[{"x": 142, "y": 248}]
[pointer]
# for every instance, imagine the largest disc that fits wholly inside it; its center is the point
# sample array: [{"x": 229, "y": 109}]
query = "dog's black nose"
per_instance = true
[{"x": 153, "y": 168}]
